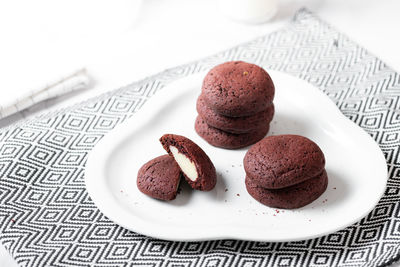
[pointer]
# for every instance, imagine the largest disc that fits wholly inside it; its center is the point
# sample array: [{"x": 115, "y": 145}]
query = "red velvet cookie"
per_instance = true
[
  {"x": 159, "y": 178},
  {"x": 236, "y": 125},
  {"x": 283, "y": 160},
  {"x": 292, "y": 197},
  {"x": 237, "y": 89},
  {"x": 196, "y": 166},
  {"x": 223, "y": 139}
]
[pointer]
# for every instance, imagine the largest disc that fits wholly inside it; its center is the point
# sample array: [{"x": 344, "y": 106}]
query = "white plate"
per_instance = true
[{"x": 355, "y": 165}]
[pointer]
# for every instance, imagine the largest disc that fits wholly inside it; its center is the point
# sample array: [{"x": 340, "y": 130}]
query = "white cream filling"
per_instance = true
[{"x": 186, "y": 165}]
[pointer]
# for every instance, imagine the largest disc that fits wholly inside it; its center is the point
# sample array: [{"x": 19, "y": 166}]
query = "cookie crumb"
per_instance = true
[
  {"x": 334, "y": 188},
  {"x": 245, "y": 73},
  {"x": 238, "y": 195},
  {"x": 226, "y": 189}
]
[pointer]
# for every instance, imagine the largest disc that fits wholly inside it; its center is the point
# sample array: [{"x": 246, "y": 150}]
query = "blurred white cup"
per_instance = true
[{"x": 249, "y": 11}]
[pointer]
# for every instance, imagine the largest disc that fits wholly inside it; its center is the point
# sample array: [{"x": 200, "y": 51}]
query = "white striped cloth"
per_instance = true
[{"x": 77, "y": 80}]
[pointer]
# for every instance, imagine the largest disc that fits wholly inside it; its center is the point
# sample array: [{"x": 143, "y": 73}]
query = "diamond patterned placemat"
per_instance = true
[{"x": 48, "y": 219}]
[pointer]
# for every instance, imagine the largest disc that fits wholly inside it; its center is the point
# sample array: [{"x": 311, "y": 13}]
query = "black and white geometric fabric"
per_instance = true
[{"x": 48, "y": 219}]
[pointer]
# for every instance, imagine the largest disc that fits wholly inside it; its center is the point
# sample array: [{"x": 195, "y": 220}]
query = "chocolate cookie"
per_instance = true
[
  {"x": 283, "y": 160},
  {"x": 196, "y": 166},
  {"x": 159, "y": 178},
  {"x": 236, "y": 125},
  {"x": 292, "y": 197},
  {"x": 237, "y": 89},
  {"x": 223, "y": 139}
]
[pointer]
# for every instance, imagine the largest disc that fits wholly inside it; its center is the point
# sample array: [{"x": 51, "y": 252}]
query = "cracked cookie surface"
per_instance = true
[
  {"x": 283, "y": 160},
  {"x": 237, "y": 89}
]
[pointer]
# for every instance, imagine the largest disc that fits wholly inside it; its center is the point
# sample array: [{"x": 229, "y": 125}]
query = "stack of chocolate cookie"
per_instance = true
[
  {"x": 285, "y": 171},
  {"x": 235, "y": 106}
]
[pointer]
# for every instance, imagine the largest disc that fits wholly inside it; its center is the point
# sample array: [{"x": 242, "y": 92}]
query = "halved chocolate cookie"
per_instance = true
[
  {"x": 196, "y": 166},
  {"x": 159, "y": 178}
]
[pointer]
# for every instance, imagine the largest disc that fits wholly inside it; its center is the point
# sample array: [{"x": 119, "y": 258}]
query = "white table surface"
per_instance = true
[{"x": 125, "y": 40}]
